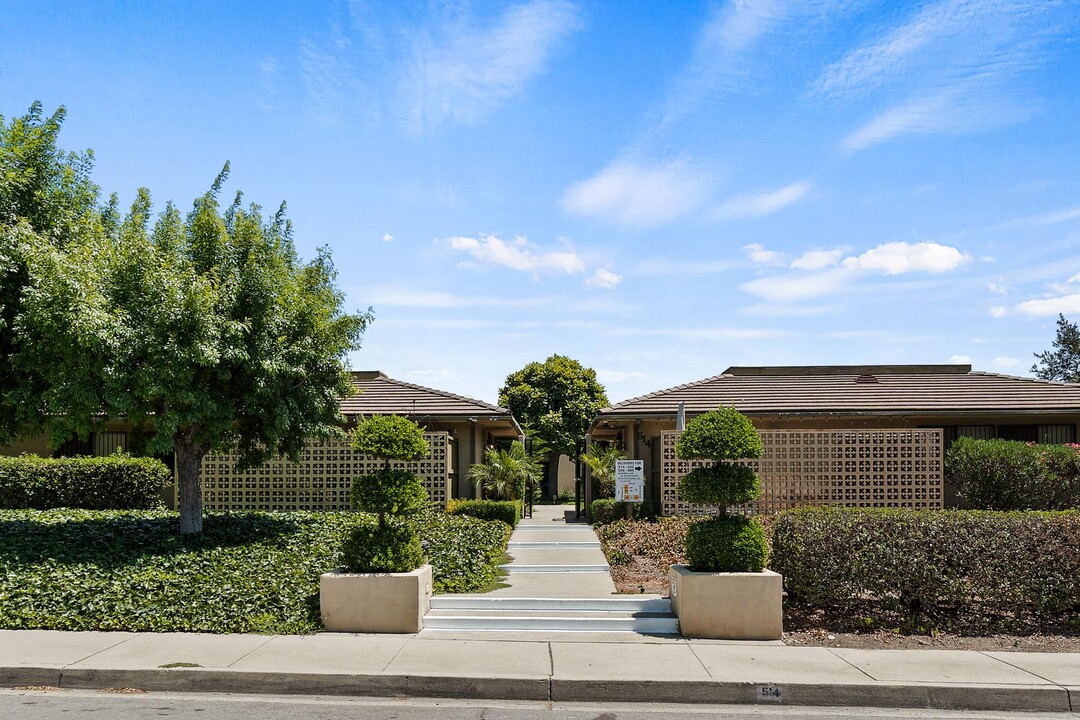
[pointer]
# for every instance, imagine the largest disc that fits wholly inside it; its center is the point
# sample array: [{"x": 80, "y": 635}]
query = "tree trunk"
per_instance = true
[
  {"x": 553, "y": 473},
  {"x": 189, "y": 457}
]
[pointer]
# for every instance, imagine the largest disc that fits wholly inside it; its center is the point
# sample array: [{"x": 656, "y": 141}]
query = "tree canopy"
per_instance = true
[
  {"x": 208, "y": 327},
  {"x": 555, "y": 400},
  {"x": 1063, "y": 362}
]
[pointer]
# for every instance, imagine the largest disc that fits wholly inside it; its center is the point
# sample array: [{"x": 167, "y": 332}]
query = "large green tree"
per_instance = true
[
  {"x": 46, "y": 197},
  {"x": 555, "y": 400},
  {"x": 208, "y": 328},
  {"x": 1063, "y": 362}
]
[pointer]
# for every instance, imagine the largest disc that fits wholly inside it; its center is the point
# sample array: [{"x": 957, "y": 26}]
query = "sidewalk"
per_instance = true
[
  {"x": 564, "y": 668},
  {"x": 551, "y": 666}
]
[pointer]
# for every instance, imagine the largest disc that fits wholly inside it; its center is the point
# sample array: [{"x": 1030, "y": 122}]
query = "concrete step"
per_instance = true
[
  {"x": 524, "y": 621},
  {"x": 627, "y": 604},
  {"x": 553, "y": 544},
  {"x": 513, "y": 568}
]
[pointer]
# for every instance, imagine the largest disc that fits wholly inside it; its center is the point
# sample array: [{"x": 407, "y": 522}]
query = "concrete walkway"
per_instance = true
[{"x": 671, "y": 670}]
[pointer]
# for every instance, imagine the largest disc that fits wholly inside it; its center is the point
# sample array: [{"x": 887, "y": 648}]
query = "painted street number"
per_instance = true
[{"x": 770, "y": 693}]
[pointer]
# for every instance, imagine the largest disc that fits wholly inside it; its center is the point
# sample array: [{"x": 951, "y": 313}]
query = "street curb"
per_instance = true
[{"x": 1048, "y": 698}]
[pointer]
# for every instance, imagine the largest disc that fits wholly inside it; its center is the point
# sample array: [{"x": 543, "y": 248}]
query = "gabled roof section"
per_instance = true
[
  {"x": 379, "y": 394},
  {"x": 857, "y": 389}
]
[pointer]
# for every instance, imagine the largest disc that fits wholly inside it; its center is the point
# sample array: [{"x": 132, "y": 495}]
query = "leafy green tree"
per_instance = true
[
  {"x": 504, "y": 474},
  {"x": 1063, "y": 362},
  {"x": 207, "y": 327},
  {"x": 46, "y": 197},
  {"x": 555, "y": 400}
]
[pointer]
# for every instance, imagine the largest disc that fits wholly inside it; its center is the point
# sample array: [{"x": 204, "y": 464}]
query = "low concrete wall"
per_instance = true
[
  {"x": 375, "y": 602},
  {"x": 728, "y": 606}
]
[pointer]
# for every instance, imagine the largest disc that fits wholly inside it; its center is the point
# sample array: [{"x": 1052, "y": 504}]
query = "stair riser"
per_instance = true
[
  {"x": 654, "y": 626},
  {"x": 513, "y": 569},
  {"x": 444, "y": 602}
]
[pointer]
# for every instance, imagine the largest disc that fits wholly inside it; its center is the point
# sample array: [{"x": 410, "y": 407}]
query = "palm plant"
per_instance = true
[
  {"x": 504, "y": 473},
  {"x": 601, "y": 460}
]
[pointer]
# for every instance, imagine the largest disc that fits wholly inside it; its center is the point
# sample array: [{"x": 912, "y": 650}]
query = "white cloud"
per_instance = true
[
  {"x": 388, "y": 237},
  {"x": 959, "y": 359},
  {"x": 604, "y": 278},
  {"x": 639, "y": 196},
  {"x": 998, "y": 311},
  {"x": 518, "y": 255},
  {"x": 776, "y": 309},
  {"x": 1075, "y": 278},
  {"x": 1064, "y": 305},
  {"x": 460, "y": 71},
  {"x": 789, "y": 287},
  {"x": 901, "y": 257},
  {"x": 326, "y": 73},
  {"x": 817, "y": 259},
  {"x": 1005, "y": 362},
  {"x": 760, "y": 255},
  {"x": 997, "y": 288},
  {"x": 761, "y": 204}
]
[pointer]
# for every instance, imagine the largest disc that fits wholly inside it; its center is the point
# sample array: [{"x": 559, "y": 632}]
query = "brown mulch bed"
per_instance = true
[{"x": 640, "y": 553}]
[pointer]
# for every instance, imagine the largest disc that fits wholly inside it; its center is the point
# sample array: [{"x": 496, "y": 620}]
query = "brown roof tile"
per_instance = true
[
  {"x": 857, "y": 390},
  {"x": 382, "y": 395}
]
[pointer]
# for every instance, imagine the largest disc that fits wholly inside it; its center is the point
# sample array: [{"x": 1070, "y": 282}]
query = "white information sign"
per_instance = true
[{"x": 630, "y": 480}]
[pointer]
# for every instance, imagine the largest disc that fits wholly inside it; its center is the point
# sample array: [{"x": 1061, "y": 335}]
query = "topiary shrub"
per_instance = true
[
  {"x": 393, "y": 495},
  {"x": 507, "y": 511},
  {"x": 393, "y": 547},
  {"x": 727, "y": 544},
  {"x": 116, "y": 482},
  {"x": 723, "y": 544}
]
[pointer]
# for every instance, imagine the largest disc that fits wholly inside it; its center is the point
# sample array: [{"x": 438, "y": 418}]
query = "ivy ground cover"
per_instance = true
[{"x": 247, "y": 572}]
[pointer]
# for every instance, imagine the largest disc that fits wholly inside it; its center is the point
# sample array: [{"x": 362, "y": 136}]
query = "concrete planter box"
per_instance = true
[
  {"x": 728, "y": 606},
  {"x": 375, "y": 602}
]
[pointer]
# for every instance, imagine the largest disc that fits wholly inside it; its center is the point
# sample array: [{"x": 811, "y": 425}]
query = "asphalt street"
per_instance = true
[{"x": 56, "y": 704}]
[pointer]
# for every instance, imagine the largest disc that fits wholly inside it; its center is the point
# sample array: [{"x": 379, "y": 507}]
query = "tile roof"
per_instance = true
[
  {"x": 383, "y": 395},
  {"x": 870, "y": 389}
]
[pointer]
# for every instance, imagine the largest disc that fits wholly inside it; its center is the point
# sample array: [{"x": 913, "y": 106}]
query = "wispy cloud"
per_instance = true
[
  {"x": 518, "y": 254},
  {"x": 667, "y": 266},
  {"x": 1063, "y": 305},
  {"x": 397, "y": 296},
  {"x": 955, "y": 65},
  {"x": 460, "y": 71},
  {"x": 814, "y": 277},
  {"x": 959, "y": 360},
  {"x": 326, "y": 71},
  {"x": 758, "y": 254},
  {"x": 761, "y": 204},
  {"x": 604, "y": 278},
  {"x": 1005, "y": 362},
  {"x": 639, "y": 196}
]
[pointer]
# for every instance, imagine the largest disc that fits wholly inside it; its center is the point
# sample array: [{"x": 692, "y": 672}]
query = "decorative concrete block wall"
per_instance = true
[
  {"x": 853, "y": 468},
  {"x": 321, "y": 480}
]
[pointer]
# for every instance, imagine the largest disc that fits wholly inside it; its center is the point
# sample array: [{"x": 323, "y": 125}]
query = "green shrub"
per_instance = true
[
  {"x": 393, "y": 547},
  {"x": 390, "y": 437},
  {"x": 464, "y": 552},
  {"x": 609, "y": 510},
  {"x": 116, "y": 482},
  {"x": 507, "y": 511},
  {"x": 1010, "y": 475},
  {"x": 961, "y": 570},
  {"x": 720, "y": 485},
  {"x": 389, "y": 492},
  {"x": 724, "y": 434},
  {"x": 726, "y": 544}
]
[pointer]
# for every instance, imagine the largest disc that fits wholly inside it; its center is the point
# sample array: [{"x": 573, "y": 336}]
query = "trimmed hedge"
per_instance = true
[
  {"x": 116, "y": 482},
  {"x": 963, "y": 570},
  {"x": 507, "y": 511},
  {"x": 609, "y": 510},
  {"x": 1011, "y": 475},
  {"x": 726, "y": 544},
  {"x": 246, "y": 573},
  {"x": 393, "y": 547}
]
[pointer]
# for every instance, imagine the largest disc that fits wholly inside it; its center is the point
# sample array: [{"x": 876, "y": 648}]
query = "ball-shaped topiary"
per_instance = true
[
  {"x": 720, "y": 485},
  {"x": 389, "y": 492},
  {"x": 390, "y": 547},
  {"x": 726, "y": 544},
  {"x": 724, "y": 434},
  {"x": 390, "y": 437}
]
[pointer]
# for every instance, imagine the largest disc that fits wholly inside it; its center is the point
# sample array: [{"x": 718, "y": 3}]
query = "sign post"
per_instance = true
[{"x": 629, "y": 482}]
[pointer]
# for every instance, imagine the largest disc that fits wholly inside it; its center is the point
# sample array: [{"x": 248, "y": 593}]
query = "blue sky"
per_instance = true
[{"x": 659, "y": 190}]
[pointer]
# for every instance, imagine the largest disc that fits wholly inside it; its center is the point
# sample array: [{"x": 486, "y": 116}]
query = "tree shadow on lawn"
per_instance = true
[{"x": 114, "y": 539}]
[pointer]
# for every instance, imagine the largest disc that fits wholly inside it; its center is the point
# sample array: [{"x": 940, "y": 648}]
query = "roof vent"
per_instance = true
[{"x": 866, "y": 380}]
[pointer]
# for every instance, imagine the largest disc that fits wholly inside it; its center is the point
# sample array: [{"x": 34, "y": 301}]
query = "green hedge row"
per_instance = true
[
  {"x": 246, "y": 573},
  {"x": 116, "y": 482},
  {"x": 508, "y": 511},
  {"x": 961, "y": 570},
  {"x": 1011, "y": 475},
  {"x": 609, "y": 510}
]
